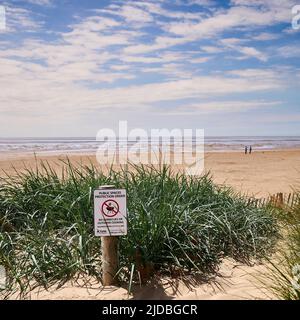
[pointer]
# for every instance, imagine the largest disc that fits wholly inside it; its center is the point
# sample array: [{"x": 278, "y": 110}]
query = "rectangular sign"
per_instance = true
[{"x": 110, "y": 212}]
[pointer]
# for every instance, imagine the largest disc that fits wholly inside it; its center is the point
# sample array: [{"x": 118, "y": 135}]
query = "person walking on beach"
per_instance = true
[
  {"x": 250, "y": 149},
  {"x": 246, "y": 149}
]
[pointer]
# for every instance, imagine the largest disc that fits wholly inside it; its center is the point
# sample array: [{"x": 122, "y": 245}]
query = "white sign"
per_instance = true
[{"x": 110, "y": 212}]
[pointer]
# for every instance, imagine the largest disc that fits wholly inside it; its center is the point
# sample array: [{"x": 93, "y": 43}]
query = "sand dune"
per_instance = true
[{"x": 259, "y": 174}]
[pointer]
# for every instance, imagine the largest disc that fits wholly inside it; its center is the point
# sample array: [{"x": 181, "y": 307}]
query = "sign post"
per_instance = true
[{"x": 110, "y": 221}]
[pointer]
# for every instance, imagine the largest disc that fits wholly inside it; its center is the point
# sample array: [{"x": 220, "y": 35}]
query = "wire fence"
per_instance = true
[{"x": 280, "y": 199}]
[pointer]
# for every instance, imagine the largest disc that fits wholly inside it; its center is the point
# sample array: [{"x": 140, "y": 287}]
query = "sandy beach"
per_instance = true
[
  {"x": 234, "y": 281},
  {"x": 204, "y": 94},
  {"x": 258, "y": 174}
]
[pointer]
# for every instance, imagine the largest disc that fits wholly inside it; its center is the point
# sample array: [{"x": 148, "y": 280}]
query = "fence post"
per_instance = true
[
  {"x": 110, "y": 256},
  {"x": 293, "y": 199},
  {"x": 280, "y": 199}
]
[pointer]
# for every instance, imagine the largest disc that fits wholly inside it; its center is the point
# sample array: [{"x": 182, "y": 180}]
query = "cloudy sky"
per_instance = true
[{"x": 70, "y": 67}]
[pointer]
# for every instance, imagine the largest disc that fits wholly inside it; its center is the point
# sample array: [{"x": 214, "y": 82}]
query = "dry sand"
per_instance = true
[
  {"x": 259, "y": 174},
  {"x": 233, "y": 282}
]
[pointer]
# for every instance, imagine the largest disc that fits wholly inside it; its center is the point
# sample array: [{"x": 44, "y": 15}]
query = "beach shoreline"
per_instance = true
[{"x": 260, "y": 174}]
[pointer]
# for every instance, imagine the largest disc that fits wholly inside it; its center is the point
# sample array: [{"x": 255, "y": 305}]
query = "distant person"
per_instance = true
[
  {"x": 246, "y": 149},
  {"x": 250, "y": 149}
]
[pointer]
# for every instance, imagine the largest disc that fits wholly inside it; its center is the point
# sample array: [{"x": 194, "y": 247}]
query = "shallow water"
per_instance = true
[{"x": 81, "y": 144}]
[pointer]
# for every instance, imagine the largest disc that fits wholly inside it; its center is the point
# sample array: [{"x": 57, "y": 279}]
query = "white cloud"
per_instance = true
[
  {"x": 213, "y": 107},
  {"x": 145, "y": 12},
  {"x": 267, "y": 74},
  {"x": 138, "y": 59},
  {"x": 289, "y": 51},
  {"x": 201, "y": 3},
  {"x": 235, "y": 17},
  {"x": 280, "y": 118},
  {"x": 41, "y": 2},
  {"x": 235, "y": 44},
  {"x": 241, "y": 16},
  {"x": 134, "y": 14},
  {"x": 265, "y": 3},
  {"x": 265, "y": 36},
  {"x": 247, "y": 52},
  {"x": 173, "y": 71},
  {"x": 69, "y": 75},
  {"x": 21, "y": 19},
  {"x": 231, "y": 41},
  {"x": 131, "y": 13},
  {"x": 119, "y": 67},
  {"x": 211, "y": 49},
  {"x": 200, "y": 60},
  {"x": 173, "y": 56},
  {"x": 156, "y": 9},
  {"x": 161, "y": 42},
  {"x": 79, "y": 55},
  {"x": 35, "y": 91},
  {"x": 164, "y": 57}
]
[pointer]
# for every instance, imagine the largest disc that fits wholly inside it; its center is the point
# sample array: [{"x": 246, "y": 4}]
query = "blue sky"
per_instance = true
[{"x": 70, "y": 68}]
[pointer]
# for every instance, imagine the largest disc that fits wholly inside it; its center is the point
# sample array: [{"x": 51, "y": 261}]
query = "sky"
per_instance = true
[{"x": 70, "y": 68}]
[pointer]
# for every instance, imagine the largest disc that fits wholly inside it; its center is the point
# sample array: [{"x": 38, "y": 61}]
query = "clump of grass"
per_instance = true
[
  {"x": 285, "y": 273},
  {"x": 176, "y": 224}
]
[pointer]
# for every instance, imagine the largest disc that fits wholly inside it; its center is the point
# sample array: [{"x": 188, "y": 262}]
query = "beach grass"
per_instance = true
[
  {"x": 285, "y": 272},
  {"x": 177, "y": 224}
]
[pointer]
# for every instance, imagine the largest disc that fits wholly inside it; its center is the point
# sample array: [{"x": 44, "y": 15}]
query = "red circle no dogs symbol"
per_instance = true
[{"x": 110, "y": 208}]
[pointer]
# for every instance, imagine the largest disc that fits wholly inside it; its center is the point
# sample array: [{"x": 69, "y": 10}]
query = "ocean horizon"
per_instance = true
[{"x": 90, "y": 144}]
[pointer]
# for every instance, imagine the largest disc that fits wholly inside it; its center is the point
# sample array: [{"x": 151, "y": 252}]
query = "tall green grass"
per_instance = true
[
  {"x": 176, "y": 224},
  {"x": 285, "y": 272}
]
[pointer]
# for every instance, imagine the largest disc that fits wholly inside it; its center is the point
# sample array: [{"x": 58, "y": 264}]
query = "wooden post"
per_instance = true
[
  {"x": 293, "y": 198},
  {"x": 110, "y": 257},
  {"x": 110, "y": 260},
  {"x": 280, "y": 199}
]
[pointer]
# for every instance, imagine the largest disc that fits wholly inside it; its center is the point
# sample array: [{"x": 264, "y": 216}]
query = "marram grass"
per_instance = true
[
  {"x": 176, "y": 224},
  {"x": 285, "y": 273}
]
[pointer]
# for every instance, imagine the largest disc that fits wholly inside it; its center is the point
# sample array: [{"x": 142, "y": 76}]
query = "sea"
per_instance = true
[{"x": 91, "y": 145}]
